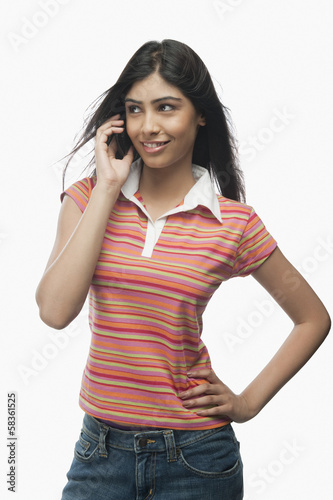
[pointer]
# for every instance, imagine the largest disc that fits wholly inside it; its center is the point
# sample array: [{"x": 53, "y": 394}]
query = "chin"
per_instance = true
[
  {"x": 154, "y": 166},
  {"x": 154, "y": 162}
]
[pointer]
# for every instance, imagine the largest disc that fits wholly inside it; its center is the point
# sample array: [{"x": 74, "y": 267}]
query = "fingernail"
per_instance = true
[
  {"x": 182, "y": 395},
  {"x": 189, "y": 374}
]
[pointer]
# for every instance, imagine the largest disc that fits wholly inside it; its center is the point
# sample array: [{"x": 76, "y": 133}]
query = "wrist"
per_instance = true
[
  {"x": 102, "y": 199},
  {"x": 107, "y": 190},
  {"x": 252, "y": 409}
]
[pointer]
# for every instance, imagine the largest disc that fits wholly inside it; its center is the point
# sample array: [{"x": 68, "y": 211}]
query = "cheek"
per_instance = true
[
  {"x": 130, "y": 129},
  {"x": 185, "y": 126},
  {"x": 188, "y": 133}
]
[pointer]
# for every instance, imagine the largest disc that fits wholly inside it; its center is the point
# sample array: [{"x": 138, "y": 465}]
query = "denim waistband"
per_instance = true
[{"x": 152, "y": 440}]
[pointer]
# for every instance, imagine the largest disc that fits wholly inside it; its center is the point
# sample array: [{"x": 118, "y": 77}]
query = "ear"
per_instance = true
[{"x": 202, "y": 120}]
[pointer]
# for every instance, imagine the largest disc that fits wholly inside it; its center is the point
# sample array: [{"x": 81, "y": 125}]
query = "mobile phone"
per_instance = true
[{"x": 122, "y": 140}]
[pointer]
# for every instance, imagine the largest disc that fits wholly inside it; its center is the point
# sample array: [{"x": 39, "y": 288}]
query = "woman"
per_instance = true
[{"x": 150, "y": 241}]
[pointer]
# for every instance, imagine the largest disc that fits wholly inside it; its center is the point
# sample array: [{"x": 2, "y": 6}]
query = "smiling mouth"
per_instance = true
[{"x": 154, "y": 144}]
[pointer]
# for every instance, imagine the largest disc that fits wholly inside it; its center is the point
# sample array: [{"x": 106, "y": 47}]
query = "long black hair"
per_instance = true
[{"x": 215, "y": 146}]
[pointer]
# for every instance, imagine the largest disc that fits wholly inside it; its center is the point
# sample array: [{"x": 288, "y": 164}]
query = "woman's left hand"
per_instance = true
[{"x": 215, "y": 392}]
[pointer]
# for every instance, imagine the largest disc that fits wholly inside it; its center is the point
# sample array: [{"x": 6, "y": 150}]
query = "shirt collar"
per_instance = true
[{"x": 202, "y": 193}]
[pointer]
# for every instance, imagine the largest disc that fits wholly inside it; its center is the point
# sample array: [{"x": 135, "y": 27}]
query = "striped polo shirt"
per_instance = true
[{"x": 150, "y": 287}]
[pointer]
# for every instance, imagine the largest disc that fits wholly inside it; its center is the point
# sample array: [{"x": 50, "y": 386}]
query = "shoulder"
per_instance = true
[
  {"x": 84, "y": 185},
  {"x": 80, "y": 191},
  {"x": 235, "y": 210}
]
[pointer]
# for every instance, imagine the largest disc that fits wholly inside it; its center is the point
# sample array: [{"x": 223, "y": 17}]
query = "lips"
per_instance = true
[
  {"x": 154, "y": 147},
  {"x": 154, "y": 144}
]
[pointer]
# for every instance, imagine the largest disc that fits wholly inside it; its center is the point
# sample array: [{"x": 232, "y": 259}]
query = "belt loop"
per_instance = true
[
  {"x": 170, "y": 446},
  {"x": 102, "y": 435}
]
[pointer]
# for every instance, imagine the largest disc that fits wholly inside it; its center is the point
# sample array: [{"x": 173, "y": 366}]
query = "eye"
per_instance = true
[
  {"x": 166, "y": 107},
  {"x": 133, "y": 109}
]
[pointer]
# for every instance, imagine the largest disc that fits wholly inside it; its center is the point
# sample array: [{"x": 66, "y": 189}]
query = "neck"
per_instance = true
[
  {"x": 162, "y": 189},
  {"x": 157, "y": 183}
]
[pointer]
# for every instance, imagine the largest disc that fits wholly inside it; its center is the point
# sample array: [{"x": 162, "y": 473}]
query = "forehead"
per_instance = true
[{"x": 153, "y": 86}]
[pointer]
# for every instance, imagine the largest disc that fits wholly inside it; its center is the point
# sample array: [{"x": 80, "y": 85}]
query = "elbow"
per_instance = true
[
  {"x": 327, "y": 324},
  {"x": 323, "y": 324},
  {"x": 54, "y": 315},
  {"x": 325, "y": 321},
  {"x": 54, "y": 321}
]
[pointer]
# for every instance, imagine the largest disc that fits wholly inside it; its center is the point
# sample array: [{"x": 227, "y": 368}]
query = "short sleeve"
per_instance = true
[
  {"x": 255, "y": 246},
  {"x": 80, "y": 192}
]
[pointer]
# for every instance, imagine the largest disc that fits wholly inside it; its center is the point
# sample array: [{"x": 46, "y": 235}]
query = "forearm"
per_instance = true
[
  {"x": 303, "y": 341},
  {"x": 65, "y": 284}
]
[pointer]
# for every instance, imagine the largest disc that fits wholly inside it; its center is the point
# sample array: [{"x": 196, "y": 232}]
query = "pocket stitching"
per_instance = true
[
  {"x": 224, "y": 474},
  {"x": 85, "y": 445}
]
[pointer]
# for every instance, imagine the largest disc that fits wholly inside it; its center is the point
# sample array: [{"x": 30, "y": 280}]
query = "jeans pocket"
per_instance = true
[
  {"x": 216, "y": 456},
  {"x": 86, "y": 448}
]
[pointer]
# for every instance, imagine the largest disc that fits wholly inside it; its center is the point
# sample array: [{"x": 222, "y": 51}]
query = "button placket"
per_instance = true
[{"x": 152, "y": 235}]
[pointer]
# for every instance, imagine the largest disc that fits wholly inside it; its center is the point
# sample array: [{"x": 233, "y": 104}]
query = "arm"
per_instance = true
[
  {"x": 63, "y": 288},
  {"x": 311, "y": 325},
  {"x": 65, "y": 283}
]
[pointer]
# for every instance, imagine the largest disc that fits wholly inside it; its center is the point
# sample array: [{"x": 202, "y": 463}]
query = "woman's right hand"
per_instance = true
[{"x": 111, "y": 173}]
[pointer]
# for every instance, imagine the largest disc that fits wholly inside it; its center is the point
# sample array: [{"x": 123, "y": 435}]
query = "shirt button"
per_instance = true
[{"x": 142, "y": 442}]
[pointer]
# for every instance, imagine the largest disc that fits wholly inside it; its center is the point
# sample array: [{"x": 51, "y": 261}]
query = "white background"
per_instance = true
[{"x": 268, "y": 59}]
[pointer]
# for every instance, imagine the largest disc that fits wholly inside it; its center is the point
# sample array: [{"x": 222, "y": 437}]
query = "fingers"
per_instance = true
[
  {"x": 209, "y": 387},
  {"x": 113, "y": 120},
  {"x": 111, "y": 126},
  {"x": 130, "y": 155},
  {"x": 206, "y": 373},
  {"x": 197, "y": 391},
  {"x": 217, "y": 411},
  {"x": 205, "y": 394},
  {"x": 216, "y": 399},
  {"x": 211, "y": 400},
  {"x": 215, "y": 394}
]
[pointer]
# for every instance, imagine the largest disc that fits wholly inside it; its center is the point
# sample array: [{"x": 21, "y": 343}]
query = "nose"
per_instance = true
[{"x": 150, "y": 124}]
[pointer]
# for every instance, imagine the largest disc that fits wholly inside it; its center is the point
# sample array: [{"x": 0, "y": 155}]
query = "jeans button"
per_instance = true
[{"x": 142, "y": 442}]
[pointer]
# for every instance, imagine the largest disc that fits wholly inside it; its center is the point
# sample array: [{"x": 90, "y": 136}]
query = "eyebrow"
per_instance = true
[{"x": 168, "y": 97}]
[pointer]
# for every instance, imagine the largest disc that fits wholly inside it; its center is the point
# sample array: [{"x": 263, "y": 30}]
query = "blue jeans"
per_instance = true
[{"x": 112, "y": 464}]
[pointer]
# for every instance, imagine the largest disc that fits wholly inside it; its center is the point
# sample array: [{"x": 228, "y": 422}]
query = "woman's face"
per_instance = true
[{"x": 162, "y": 123}]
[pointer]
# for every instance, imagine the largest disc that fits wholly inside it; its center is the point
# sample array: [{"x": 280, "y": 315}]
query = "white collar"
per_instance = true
[{"x": 202, "y": 193}]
